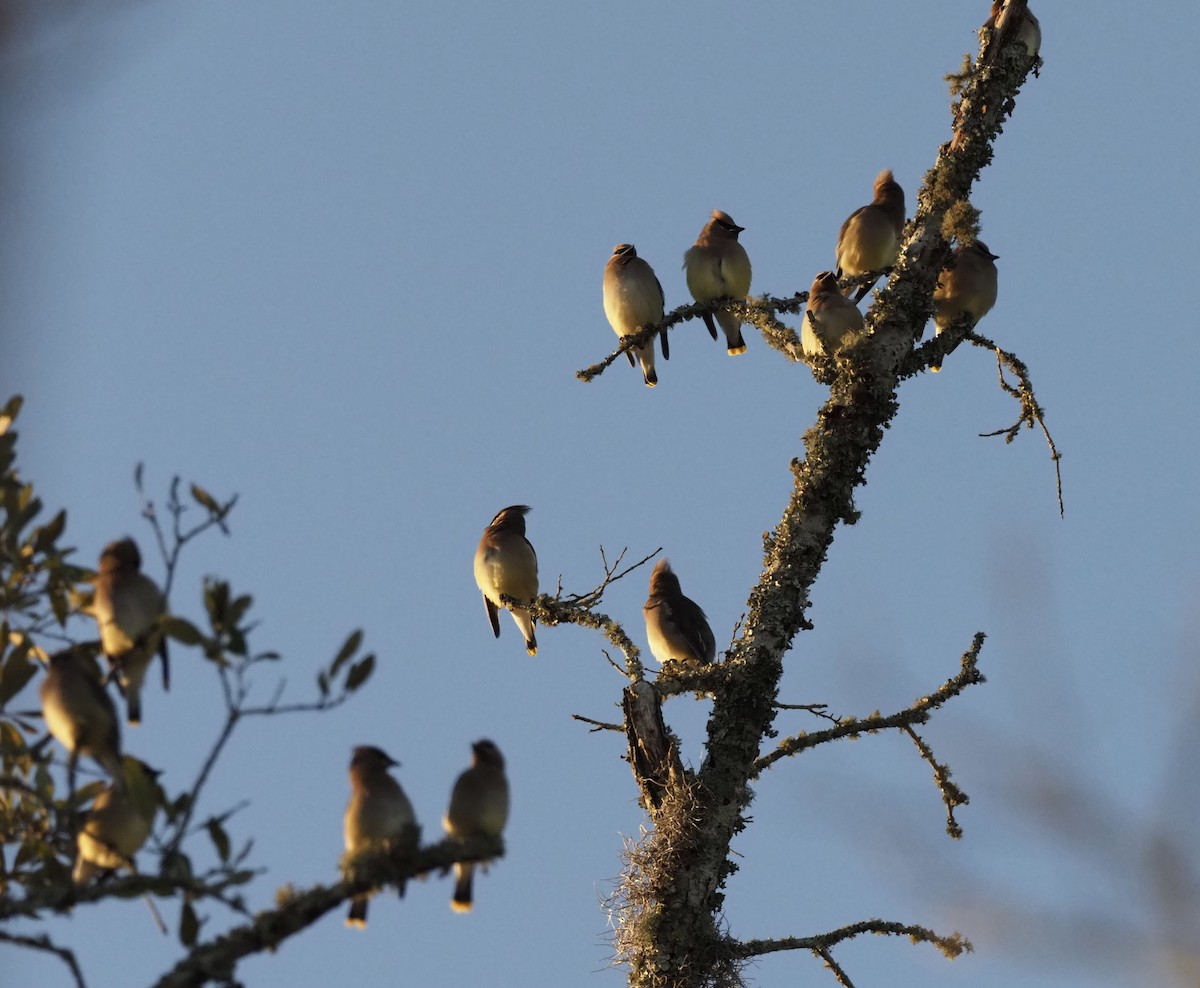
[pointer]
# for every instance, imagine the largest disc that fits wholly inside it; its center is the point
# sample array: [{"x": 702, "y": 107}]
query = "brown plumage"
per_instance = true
[
  {"x": 127, "y": 605},
  {"x": 831, "y": 320},
  {"x": 676, "y": 627},
  {"x": 718, "y": 266},
  {"x": 378, "y": 817},
  {"x": 80, "y": 714},
  {"x": 869, "y": 240},
  {"x": 633, "y": 300},
  {"x": 478, "y": 808},
  {"x": 118, "y": 823},
  {"x": 968, "y": 284},
  {"x": 505, "y": 564}
]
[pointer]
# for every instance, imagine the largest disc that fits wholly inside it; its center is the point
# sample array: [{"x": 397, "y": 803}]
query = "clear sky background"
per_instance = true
[{"x": 344, "y": 260}]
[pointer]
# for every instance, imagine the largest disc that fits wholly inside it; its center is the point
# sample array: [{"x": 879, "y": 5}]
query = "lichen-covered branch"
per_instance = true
[
  {"x": 952, "y": 946},
  {"x": 216, "y": 960},
  {"x": 854, "y": 727},
  {"x": 674, "y": 938}
]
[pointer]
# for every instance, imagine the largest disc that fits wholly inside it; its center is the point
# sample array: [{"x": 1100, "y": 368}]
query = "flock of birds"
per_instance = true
[
  {"x": 80, "y": 714},
  {"x": 128, "y": 605},
  {"x": 718, "y": 267}
]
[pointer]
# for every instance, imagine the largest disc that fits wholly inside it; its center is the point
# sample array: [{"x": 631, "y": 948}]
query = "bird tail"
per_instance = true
[
  {"x": 461, "y": 903},
  {"x": 357, "y": 917}
]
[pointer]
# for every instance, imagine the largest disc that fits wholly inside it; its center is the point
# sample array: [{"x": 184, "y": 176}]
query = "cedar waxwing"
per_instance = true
[
  {"x": 676, "y": 627},
  {"x": 1029, "y": 33},
  {"x": 718, "y": 266},
  {"x": 378, "y": 817},
  {"x": 478, "y": 808},
  {"x": 831, "y": 320},
  {"x": 969, "y": 286},
  {"x": 869, "y": 240},
  {"x": 505, "y": 563},
  {"x": 127, "y": 606},
  {"x": 633, "y": 299},
  {"x": 118, "y": 823},
  {"x": 80, "y": 713}
]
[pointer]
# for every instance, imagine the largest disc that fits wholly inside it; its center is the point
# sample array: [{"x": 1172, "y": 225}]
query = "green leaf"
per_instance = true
[
  {"x": 9, "y": 412},
  {"x": 181, "y": 630},
  {"x": 351, "y": 645},
  {"x": 359, "y": 673},
  {"x": 47, "y": 535},
  {"x": 219, "y": 838},
  {"x": 205, "y": 500},
  {"x": 17, "y": 671},
  {"x": 189, "y": 925}
]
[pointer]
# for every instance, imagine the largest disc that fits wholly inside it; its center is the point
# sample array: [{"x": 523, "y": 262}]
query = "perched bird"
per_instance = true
[
  {"x": 1028, "y": 33},
  {"x": 717, "y": 266},
  {"x": 118, "y": 823},
  {"x": 378, "y": 817},
  {"x": 869, "y": 240},
  {"x": 80, "y": 713},
  {"x": 968, "y": 285},
  {"x": 831, "y": 320},
  {"x": 127, "y": 606},
  {"x": 633, "y": 300},
  {"x": 676, "y": 627},
  {"x": 505, "y": 563},
  {"x": 478, "y": 808}
]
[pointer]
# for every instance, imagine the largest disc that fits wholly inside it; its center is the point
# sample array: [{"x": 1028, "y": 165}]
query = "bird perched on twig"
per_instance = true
[
  {"x": 676, "y": 627},
  {"x": 718, "y": 266},
  {"x": 633, "y": 300},
  {"x": 378, "y": 817},
  {"x": 967, "y": 284},
  {"x": 478, "y": 808},
  {"x": 118, "y": 823},
  {"x": 831, "y": 320},
  {"x": 869, "y": 240},
  {"x": 80, "y": 713},
  {"x": 127, "y": 606},
  {"x": 506, "y": 565}
]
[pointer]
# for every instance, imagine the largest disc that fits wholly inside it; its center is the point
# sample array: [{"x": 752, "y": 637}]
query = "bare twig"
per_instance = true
[
  {"x": 852, "y": 727},
  {"x": 44, "y": 943},
  {"x": 1031, "y": 411},
  {"x": 952, "y": 946},
  {"x": 599, "y": 725}
]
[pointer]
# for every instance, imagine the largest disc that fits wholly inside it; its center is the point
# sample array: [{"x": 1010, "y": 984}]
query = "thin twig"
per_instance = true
[
  {"x": 44, "y": 943},
  {"x": 599, "y": 725}
]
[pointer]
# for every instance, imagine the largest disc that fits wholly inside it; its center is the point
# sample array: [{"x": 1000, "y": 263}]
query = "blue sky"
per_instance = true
[{"x": 344, "y": 260}]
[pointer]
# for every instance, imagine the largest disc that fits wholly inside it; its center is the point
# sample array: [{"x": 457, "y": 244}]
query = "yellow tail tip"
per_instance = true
[
  {"x": 460, "y": 907},
  {"x": 531, "y": 651},
  {"x": 735, "y": 350},
  {"x": 356, "y": 924},
  {"x": 937, "y": 369}
]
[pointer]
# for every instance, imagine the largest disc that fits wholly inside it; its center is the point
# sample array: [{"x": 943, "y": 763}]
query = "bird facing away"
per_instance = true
[
  {"x": 478, "y": 808},
  {"x": 676, "y": 627},
  {"x": 718, "y": 266},
  {"x": 118, "y": 823},
  {"x": 505, "y": 564},
  {"x": 378, "y": 817},
  {"x": 1029, "y": 33},
  {"x": 869, "y": 240},
  {"x": 968, "y": 286},
  {"x": 633, "y": 300},
  {"x": 831, "y": 320},
  {"x": 127, "y": 606},
  {"x": 80, "y": 713}
]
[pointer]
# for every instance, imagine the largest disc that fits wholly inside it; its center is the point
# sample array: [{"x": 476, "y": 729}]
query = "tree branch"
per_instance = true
[{"x": 44, "y": 943}]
